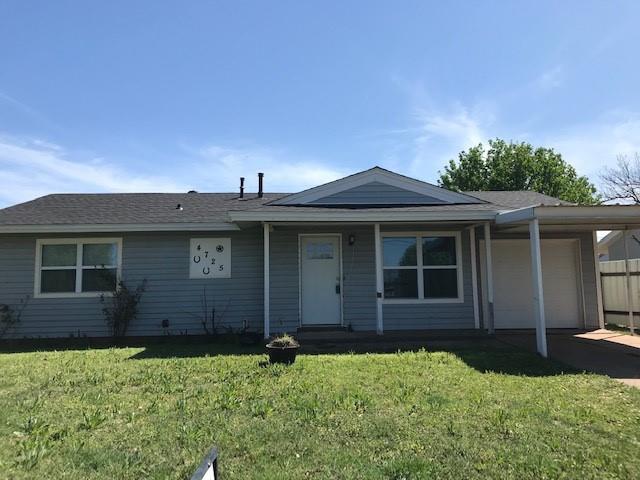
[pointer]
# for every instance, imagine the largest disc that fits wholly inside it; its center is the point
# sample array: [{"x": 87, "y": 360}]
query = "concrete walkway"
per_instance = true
[{"x": 600, "y": 351}]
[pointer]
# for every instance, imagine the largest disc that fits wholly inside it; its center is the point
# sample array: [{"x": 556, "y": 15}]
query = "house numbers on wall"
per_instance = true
[{"x": 210, "y": 258}]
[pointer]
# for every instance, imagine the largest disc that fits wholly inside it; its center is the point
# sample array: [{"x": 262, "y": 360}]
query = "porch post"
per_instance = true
[
  {"x": 379, "y": 279},
  {"x": 627, "y": 274},
  {"x": 474, "y": 276},
  {"x": 596, "y": 260},
  {"x": 266, "y": 227},
  {"x": 488, "y": 259},
  {"x": 538, "y": 295}
]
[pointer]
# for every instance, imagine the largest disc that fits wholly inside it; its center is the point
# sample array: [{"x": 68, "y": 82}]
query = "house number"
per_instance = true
[{"x": 210, "y": 258}]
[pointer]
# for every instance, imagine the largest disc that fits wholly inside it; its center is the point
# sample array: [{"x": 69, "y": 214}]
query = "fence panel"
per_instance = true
[{"x": 614, "y": 291}]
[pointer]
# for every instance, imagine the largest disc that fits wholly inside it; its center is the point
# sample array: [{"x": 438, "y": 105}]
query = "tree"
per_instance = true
[
  {"x": 517, "y": 166},
  {"x": 622, "y": 182}
]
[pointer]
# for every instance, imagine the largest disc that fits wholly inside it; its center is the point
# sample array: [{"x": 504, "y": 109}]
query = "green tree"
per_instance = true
[{"x": 517, "y": 166}]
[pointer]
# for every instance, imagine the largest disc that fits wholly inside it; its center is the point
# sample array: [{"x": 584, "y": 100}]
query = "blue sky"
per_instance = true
[{"x": 170, "y": 96}]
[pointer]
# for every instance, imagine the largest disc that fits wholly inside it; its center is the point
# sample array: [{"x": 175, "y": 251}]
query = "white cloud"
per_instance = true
[
  {"x": 550, "y": 79},
  {"x": 594, "y": 145},
  {"x": 30, "y": 168},
  {"x": 442, "y": 134},
  {"x": 222, "y": 166}
]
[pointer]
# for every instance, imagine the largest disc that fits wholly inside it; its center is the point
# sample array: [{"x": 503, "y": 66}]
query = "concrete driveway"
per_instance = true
[{"x": 600, "y": 351}]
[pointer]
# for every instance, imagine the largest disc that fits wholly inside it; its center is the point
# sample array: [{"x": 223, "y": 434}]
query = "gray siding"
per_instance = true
[
  {"x": 377, "y": 192},
  {"x": 162, "y": 259},
  {"x": 359, "y": 278},
  {"x": 359, "y": 285}
]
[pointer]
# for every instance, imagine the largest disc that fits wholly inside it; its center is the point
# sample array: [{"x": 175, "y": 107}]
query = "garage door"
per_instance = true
[{"x": 513, "y": 291}]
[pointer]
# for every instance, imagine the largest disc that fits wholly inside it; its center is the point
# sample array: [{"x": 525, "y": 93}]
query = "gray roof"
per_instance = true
[
  {"x": 517, "y": 199},
  {"x": 162, "y": 208},
  {"x": 129, "y": 208}
]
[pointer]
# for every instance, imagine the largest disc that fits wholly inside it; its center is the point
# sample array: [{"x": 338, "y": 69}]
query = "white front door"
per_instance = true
[{"x": 320, "y": 284}]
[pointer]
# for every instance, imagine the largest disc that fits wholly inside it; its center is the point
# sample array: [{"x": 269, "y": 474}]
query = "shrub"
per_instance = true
[
  {"x": 10, "y": 317},
  {"x": 120, "y": 307}
]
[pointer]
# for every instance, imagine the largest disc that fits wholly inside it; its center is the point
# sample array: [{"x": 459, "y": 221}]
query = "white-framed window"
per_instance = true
[
  {"x": 76, "y": 267},
  {"x": 422, "y": 267}
]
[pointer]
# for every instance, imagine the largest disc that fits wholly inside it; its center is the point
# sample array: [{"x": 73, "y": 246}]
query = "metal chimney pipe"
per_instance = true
[
  {"x": 241, "y": 187},
  {"x": 260, "y": 177}
]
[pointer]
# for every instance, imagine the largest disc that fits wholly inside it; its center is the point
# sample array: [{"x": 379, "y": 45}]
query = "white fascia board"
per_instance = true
[
  {"x": 515, "y": 216},
  {"x": 124, "y": 227},
  {"x": 301, "y": 216},
  {"x": 376, "y": 175},
  {"x": 573, "y": 213}
]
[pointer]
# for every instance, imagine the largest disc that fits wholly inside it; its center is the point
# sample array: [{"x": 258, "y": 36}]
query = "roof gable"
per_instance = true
[{"x": 376, "y": 186}]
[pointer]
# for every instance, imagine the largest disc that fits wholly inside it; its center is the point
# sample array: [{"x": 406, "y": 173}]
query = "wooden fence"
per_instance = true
[{"x": 614, "y": 291}]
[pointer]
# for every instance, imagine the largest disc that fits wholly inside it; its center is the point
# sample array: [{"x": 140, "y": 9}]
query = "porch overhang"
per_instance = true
[
  {"x": 597, "y": 217},
  {"x": 355, "y": 216}
]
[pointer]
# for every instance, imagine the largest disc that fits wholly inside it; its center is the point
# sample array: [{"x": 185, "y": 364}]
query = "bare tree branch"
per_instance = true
[{"x": 623, "y": 181}]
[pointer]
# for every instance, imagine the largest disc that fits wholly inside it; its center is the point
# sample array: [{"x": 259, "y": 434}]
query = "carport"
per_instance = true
[{"x": 553, "y": 219}]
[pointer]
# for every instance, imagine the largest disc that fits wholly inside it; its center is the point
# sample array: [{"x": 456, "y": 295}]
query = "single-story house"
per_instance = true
[
  {"x": 374, "y": 251},
  {"x": 612, "y": 246}
]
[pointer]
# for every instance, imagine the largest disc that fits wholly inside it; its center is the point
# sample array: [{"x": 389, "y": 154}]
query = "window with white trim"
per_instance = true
[
  {"x": 77, "y": 267},
  {"x": 423, "y": 266}
]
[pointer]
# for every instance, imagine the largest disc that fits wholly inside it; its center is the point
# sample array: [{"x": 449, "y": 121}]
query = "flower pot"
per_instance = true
[{"x": 285, "y": 355}]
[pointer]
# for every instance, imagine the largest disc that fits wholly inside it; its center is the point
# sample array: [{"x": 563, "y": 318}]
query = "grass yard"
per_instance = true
[{"x": 132, "y": 413}]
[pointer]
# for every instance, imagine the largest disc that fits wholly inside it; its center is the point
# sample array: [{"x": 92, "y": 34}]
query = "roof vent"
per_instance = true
[
  {"x": 192, "y": 191},
  {"x": 179, "y": 207},
  {"x": 241, "y": 187},
  {"x": 260, "y": 178}
]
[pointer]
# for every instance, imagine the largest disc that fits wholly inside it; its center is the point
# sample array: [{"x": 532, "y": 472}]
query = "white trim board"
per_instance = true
[
  {"x": 120, "y": 227},
  {"x": 302, "y": 214},
  {"x": 376, "y": 174}
]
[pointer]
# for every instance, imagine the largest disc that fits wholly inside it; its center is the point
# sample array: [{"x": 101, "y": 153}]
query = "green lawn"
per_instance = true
[{"x": 472, "y": 413}]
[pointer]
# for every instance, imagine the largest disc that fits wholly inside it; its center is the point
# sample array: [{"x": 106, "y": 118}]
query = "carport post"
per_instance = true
[
  {"x": 538, "y": 295},
  {"x": 266, "y": 227},
  {"x": 489, "y": 261},
  {"x": 627, "y": 274}
]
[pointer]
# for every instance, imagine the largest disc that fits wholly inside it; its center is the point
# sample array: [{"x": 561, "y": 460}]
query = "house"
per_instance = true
[
  {"x": 611, "y": 246},
  {"x": 374, "y": 251}
]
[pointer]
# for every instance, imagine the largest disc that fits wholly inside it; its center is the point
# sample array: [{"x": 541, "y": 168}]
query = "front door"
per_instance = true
[{"x": 320, "y": 297}]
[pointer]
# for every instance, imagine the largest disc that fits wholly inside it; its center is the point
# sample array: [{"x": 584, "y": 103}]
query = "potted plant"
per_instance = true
[{"x": 283, "y": 349}]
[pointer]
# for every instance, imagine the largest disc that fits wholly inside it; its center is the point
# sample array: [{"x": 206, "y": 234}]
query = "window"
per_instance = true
[
  {"x": 77, "y": 267},
  {"x": 424, "y": 266}
]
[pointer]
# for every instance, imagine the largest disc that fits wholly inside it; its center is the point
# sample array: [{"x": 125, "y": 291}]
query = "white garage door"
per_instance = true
[{"x": 513, "y": 291}]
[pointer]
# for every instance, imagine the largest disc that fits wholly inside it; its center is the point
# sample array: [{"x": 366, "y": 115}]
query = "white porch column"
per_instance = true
[
  {"x": 538, "y": 295},
  {"x": 266, "y": 227},
  {"x": 379, "y": 279},
  {"x": 474, "y": 276},
  {"x": 627, "y": 274},
  {"x": 596, "y": 261},
  {"x": 488, "y": 259}
]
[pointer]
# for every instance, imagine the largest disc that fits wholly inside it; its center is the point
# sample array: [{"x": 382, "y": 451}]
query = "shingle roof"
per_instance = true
[
  {"x": 517, "y": 199},
  {"x": 157, "y": 208},
  {"x": 129, "y": 208}
]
